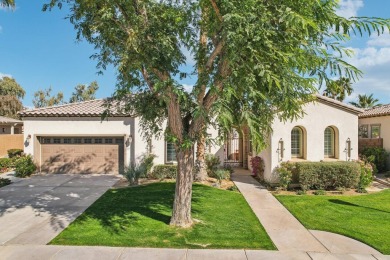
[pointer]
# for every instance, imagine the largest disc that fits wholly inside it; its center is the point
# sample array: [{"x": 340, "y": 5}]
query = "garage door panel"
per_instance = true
[{"x": 81, "y": 158}]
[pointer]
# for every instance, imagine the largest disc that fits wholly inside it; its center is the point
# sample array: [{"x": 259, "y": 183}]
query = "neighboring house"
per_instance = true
[
  {"x": 72, "y": 138},
  {"x": 10, "y": 126},
  {"x": 10, "y": 135},
  {"x": 374, "y": 128},
  {"x": 327, "y": 132}
]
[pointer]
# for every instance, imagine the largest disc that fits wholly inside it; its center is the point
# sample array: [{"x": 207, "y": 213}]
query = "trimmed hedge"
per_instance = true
[
  {"x": 14, "y": 152},
  {"x": 164, "y": 172},
  {"x": 324, "y": 175}
]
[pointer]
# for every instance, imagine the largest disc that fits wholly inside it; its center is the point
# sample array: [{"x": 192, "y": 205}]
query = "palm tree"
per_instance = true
[
  {"x": 365, "y": 101},
  {"x": 339, "y": 89}
]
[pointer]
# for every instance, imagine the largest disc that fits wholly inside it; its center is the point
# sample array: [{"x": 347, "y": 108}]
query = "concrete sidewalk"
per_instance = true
[
  {"x": 28, "y": 252},
  {"x": 287, "y": 233}
]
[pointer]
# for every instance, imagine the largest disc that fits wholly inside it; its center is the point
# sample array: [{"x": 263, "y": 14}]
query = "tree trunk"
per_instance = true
[
  {"x": 181, "y": 214},
  {"x": 200, "y": 164}
]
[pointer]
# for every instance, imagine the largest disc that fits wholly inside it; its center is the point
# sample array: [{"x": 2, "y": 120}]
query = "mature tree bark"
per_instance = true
[
  {"x": 181, "y": 214},
  {"x": 200, "y": 164}
]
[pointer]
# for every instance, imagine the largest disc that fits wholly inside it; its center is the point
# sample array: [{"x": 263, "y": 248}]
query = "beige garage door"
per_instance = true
[{"x": 102, "y": 155}]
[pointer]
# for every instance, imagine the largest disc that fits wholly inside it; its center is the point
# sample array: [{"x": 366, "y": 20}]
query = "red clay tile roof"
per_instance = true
[
  {"x": 376, "y": 111},
  {"x": 7, "y": 120},
  {"x": 91, "y": 108}
]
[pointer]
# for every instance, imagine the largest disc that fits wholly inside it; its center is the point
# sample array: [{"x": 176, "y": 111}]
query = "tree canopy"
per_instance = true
[
  {"x": 44, "y": 98},
  {"x": 338, "y": 89},
  {"x": 268, "y": 55},
  {"x": 366, "y": 101},
  {"x": 84, "y": 92},
  {"x": 10, "y": 94}
]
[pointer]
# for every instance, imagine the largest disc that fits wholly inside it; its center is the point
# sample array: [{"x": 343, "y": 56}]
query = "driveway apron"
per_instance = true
[{"x": 35, "y": 210}]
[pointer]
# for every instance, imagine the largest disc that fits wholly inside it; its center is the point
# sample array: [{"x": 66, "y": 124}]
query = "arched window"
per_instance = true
[
  {"x": 329, "y": 142},
  {"x": 297, "y": 142}
]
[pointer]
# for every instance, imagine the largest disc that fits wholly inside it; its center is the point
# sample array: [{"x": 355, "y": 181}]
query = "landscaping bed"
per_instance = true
[
  {"x": 139, "y": 217},
  {"x": 365, "y": 218}
]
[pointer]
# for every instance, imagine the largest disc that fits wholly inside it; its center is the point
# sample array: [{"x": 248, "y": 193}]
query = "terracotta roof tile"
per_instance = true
[
  {"x": 376, "y": 111},
  {"x": 81, "y": 109}
]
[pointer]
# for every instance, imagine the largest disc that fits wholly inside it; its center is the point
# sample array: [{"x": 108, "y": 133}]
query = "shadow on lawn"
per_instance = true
[
  {"x": 117, "y": 209},
  {"x": 341, "y": 202}
]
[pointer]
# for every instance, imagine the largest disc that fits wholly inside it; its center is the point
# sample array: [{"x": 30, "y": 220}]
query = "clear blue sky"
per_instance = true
[{"x": 39, "y": 50}]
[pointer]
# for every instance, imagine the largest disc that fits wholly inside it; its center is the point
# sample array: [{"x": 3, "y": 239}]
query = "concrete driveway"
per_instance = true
[{"x": 35, "y": 210}]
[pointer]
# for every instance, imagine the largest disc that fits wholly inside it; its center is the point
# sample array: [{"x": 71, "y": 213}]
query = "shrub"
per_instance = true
[
  {"x": 24, "y": 166},
  {"x": 14, "y": 152},
  {"x": 300, "y": 192},
  {"x": 134, "y": 172},
  {"x": 285, "y": 175},
  {"x": 222, "y": 175},
  {"x": 376, "y": 155},
  {"x": 229, "y": 168},
  {"x": 5, "y": 163},
  {"x": 325, "y": 175},
  {"x": 319, "y": 192},
  {"x": 212, "y": 164},
  {"x": 164, "y": 172},
  {"x": 366, "y": 171},
  {"x": 4, "y": 182},
  {"x": 257, "y": 164},
  {"x": 147, "y": 161}
]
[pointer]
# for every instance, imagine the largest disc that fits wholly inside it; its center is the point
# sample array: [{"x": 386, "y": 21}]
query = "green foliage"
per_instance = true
[
  {"x": 228, "y": 167},
  {"x": 377, "y": 156},
  {"x": 325, "y": 175},
  {"x": 14, "y": 152},
  {"x": 285, "y": 176},
  {"x": 338, "y": 89},
  {"x": 221, "y": 174},
  {"x": 24, "y": 166},
  {"x": 319, "y": 192},
  {"x": 4, "y": 182},
  {"x": 212, "y": 163},
  {"x": 7, "y": 3},
  {"x": 133, "y": 172},
  {"x": 366, "y": 176},
  {"x": 10, "y": 106},
  {"x": 84, "y": 92},
  {"x": 300, "y": 192},
  {"x": 43, "y": 98},
  {"x": 9, "y": 87},
  {"x": 5, "y": 163},
  {"x": 163, "y": 172},
  {"x": 366, "y": 101}
]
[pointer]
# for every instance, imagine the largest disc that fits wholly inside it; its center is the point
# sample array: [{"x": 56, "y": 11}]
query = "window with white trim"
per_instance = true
[
  {"x": 297, "y": 142},
  {"x": 329, "y": 142}
]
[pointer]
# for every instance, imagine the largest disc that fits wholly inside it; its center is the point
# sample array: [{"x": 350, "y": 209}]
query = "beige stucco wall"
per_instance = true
[
  {"x": 317, "y": 118},
  {"x": 384, "y": 122},
  {"x": 84, "y": 126}
]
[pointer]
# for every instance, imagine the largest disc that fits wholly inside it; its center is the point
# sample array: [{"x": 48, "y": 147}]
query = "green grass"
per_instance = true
[
  {"x": 365, "y": 218},
  {"x": 139, "y": 217}
]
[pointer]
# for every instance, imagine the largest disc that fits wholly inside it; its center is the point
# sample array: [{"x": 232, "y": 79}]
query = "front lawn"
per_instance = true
[
  {"x": 365, "y": 218},
  {"x": 139, "y": 217}
]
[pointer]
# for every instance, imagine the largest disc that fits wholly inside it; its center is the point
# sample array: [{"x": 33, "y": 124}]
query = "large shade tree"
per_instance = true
[
  {"x": 366, "y": 101},
  {"x": 44, "y": 98},
  {"x": 11, "y": 94},
  {"x": 269, "y": 55},
  {"x": 83, "y": 92}
]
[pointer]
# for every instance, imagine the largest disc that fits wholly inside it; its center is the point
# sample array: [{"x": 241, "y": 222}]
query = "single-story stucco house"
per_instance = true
[
  {"x": 72, "y": 138},
  {"x": 10, "y": 135},
  {"x": 327, "y": 132},
  {"x": 374, "y": 128}
]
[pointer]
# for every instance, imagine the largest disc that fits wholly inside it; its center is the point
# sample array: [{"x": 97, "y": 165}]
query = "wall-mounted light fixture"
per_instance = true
[
  {"x": 280, "y": 149},
  {"x": 28, "y": 139},
  {"x": 348, "y": 149}
]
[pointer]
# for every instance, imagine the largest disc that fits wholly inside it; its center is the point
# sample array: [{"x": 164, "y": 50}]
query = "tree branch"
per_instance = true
[
  {"x": 216, "y": 9},
  {"x": 214, "y": 54}
]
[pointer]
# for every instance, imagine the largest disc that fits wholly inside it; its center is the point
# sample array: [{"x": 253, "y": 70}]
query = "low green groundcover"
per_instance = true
[
  {"x": 139, "y": 217},
  {"x": 365, "y": 218}
]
